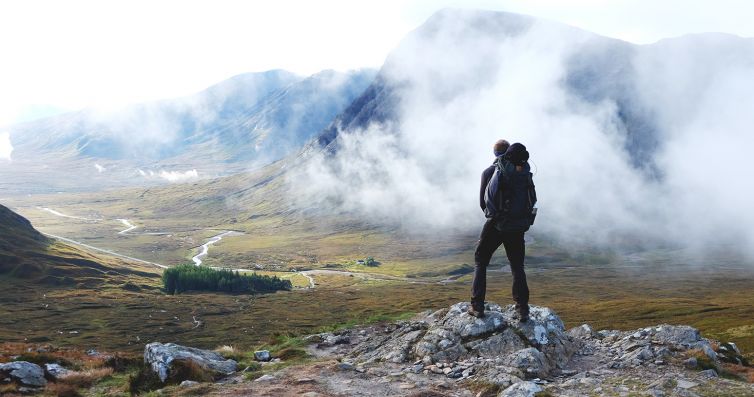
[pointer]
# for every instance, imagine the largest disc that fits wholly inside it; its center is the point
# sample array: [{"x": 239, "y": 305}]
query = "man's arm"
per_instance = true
[{"x": 486, "y": 175}]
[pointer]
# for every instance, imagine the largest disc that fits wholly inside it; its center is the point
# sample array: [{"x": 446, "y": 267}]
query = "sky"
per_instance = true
[{"x": 57, "y": 56}]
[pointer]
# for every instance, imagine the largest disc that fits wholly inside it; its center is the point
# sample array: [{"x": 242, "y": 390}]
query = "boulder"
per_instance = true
[
  {"x": 583, "y": 331},
  {"x": 166, "y": 360},
  {"x": 56, "y": 371},
  {"x": 521, "y": 389},
  {"x": 262, "y": 355},
  {"x": 530, "y": 361},
  {"x": 25, "y": 373}
]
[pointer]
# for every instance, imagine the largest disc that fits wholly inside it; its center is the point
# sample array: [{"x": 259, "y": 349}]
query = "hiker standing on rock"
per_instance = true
[{"x": 507, "y": 197}]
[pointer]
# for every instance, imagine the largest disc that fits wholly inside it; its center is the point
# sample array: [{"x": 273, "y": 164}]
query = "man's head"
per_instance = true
[{"x": 500, "y": 147}]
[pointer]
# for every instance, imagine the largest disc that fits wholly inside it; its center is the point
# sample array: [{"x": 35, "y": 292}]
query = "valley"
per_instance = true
[{"x": 416, "y": 272}]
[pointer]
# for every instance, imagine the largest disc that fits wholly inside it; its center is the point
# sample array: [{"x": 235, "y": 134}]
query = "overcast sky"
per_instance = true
[{"x": 65, "y": 55}]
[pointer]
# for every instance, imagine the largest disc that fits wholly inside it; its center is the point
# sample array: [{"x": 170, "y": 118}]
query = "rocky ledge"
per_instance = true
[
  {"x": 450, "y": 353},
  {"x": 451, "y": 350}
]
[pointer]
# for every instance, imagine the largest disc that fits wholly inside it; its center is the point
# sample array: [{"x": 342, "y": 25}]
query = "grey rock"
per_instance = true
[
  {"x": 393, "y": 347},
  {"x": 24, "y": 372},
  {"x": 530, "y": 361},
  {"x": 345, "y": 366},
  {"x": 675, "y": 335},
  {"x": 265, "y": 378},
  {"x": 521, "y": 389},
  {"x": 685, "y": 384},
  {"x": 161, "y": 358},
  {"x": 498, "y": 345},
  {"x": 56, "y": 371},
  {"x": 262, "y": 355},
  {"x": 332, "y": 340},
  {"x": 709, "y": 373},
  {"x": 583, "y": 331},
  {"x": 188, "y": 383},
  {"x": 690, "y": 363}
]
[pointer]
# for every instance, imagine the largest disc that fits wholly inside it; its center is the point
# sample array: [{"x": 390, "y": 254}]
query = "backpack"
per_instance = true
[{"x": 510, "y": 196}]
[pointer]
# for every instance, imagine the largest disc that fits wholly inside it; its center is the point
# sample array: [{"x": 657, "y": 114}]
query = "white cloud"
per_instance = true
[
  {"x": 177, "y": 176},
  {"x": 100, "y": 168},
  {"x": 423, "y": 172},
  {"x": 5, "y": 146}
]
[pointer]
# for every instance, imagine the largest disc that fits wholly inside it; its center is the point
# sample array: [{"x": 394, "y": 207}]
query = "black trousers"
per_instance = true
[{"x": 489, "y": 241}]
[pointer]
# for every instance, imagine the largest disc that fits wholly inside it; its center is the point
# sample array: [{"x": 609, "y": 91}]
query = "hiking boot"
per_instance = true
[{"x": 476, "y": 313}]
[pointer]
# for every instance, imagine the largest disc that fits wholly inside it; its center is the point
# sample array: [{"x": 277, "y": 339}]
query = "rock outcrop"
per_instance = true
[
  {"x": 497, "y": 342},
  {"x": 167, "y": 360}
]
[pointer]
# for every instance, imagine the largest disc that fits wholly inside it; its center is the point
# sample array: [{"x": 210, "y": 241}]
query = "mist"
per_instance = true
[
  {"x": 6, "y": 149},
  {"x": 466, "y": 79}
]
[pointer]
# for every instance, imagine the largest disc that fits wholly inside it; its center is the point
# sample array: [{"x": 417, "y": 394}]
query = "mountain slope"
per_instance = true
[{"x": 26, "y": 255}]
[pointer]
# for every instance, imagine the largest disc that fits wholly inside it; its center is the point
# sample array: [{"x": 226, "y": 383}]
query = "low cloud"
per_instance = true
[
  {"x": 100, "y": 168},
  {"x": 170, "y": 176},
  {"x": 6, "y": 149},
  {"x": 461, "y": 89}
]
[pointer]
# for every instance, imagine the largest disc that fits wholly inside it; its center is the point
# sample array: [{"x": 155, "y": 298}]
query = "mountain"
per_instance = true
[{"x": 246, "y": 121}]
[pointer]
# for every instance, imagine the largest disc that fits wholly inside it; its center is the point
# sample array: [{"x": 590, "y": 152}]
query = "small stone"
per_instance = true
[
  {"x": 685, "y": 384},
  {"x": 344, "y": 366},
  {"x": 407, "y": 386},
  {"x": 265, "y": 378},
  {"x": 709, "y": 373},
  {"x": 659, "y": 362},
  {"x": 447, "y": 370},
  {"x": 304, "y": 380},
  {"x": 262, "y": 355},
  {"x": 188, "y": 383},
  {"x": 690, "y": 363}
]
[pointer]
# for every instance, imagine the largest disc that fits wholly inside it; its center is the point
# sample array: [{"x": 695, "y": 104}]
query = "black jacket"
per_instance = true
[{"x": 486, "y": 175}]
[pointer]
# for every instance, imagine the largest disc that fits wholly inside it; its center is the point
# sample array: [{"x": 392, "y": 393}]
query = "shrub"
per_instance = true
[
  {"x": 183, "y": 278},
  {"x": 86, "y": 378},
  {"x": 144, "y": 380},
  {"x": 62, "y": 390}
]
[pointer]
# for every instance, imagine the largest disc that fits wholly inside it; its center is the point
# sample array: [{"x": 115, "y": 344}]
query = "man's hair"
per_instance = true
[{"x": 501, "y": 146}]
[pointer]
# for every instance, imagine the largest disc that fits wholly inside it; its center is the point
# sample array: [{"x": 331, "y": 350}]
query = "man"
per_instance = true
[{"x": 508, "y": 231}]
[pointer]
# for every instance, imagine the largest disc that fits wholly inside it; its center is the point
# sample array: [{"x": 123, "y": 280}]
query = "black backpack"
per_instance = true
[{"x": 510, "y": 195}]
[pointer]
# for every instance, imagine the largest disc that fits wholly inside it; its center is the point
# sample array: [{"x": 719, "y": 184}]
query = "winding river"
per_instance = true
[{"x": 204, "y": 249}]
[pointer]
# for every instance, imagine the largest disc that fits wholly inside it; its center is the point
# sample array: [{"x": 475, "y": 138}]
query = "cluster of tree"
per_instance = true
[
  {"x": 182, "y": 278},
  {"x": 369, "y": 261}
]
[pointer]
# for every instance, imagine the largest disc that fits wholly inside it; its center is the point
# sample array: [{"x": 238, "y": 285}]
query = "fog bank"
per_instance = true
[{"x": 653, "y": 149}]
